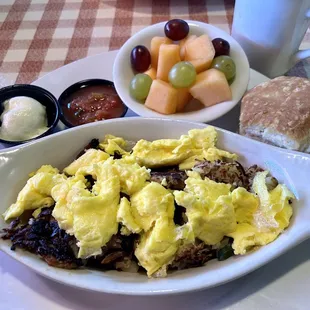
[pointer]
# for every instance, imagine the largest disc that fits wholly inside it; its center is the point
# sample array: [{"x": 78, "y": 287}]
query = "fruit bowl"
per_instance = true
[{"x": 123, "y": 73}]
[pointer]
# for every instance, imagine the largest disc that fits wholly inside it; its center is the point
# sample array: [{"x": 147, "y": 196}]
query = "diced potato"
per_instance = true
[
  {"x": 184, "y": 97},
  {"x": 151, "y": 73},
  {"x": 162, "y": 98},
  {"x": 156, "y": 42},
  {"x": 211, "y": 87},
  {"x": 183, "y": 44},
  {"x": 200, "y": 52},
  {"x": 169, "y": 55}
]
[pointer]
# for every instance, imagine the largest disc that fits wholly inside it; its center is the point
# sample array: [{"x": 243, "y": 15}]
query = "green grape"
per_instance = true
[
  {"x": 140, "y": 86},
  {"x": 231, "y": 80},
  {"x": 182, "y": 74},
  {"x": 226, "y": 65}
]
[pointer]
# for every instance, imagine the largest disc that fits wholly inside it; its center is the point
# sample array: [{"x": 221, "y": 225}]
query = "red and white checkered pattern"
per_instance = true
[{"x": 37, "y": 36}]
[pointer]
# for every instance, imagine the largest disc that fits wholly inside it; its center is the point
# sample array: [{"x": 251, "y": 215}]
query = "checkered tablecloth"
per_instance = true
[{"x": 38, "y": 36}]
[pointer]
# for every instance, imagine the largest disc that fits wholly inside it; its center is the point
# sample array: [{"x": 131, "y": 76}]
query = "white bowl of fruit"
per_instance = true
[{"x": 181, "y": 69}]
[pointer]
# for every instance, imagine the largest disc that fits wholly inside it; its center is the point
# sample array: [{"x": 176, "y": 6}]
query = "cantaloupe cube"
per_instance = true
[
  {"x": 200, "y": 52},
  {"x": 184, "y": 97},
  {"x": 183, "y": 44},
  {"x": 162, "y": 98},
  {"x": 169, "y": 55},
  {"x": 211, "y": 87},
  {"x": 151, "y": 73},
  {"x": 156, "y": 42}
]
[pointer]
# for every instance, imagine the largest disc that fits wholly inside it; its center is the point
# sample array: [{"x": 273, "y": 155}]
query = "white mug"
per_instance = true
[{"x": 270, "y": 32}]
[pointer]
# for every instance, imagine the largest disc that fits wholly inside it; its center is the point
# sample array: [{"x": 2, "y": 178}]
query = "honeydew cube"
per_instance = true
[
  {"x": 156, "y": 42},
  {"x": 183, "y": 44},
  {"x": 162, "y": 98},
  {"x": 151, "y": 73},
  {"x": 169, "y": 55},
  {"x": 184, "y": 97},
  {"x": 211, "y": 87},
  {"x": 200, "y": 52}
]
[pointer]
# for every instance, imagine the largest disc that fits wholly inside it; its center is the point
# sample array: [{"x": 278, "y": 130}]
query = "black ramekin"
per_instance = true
[
  {"x": 75, "y": 87},
  {"x": 38, "y": 93}
]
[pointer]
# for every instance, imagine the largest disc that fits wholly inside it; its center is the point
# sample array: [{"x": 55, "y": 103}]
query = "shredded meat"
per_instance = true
[
  {"x": 54, "y": 262},
  {"x": 166, "y": 169},
  {"x": 42, "y": 236},
  {"x": 117, "y": 254},
  {"x": 251, "y": 172},
  {"x": 112, "y": 257},
  {"x": 179, "y": 217},
  {"x": 90, "y": 182},
  {"x": 117, "y": 155},
  {"x": 122, "y": 195},
  {"x": 193, "y": 255},
  {"x": 225, "y": 172},
  {"x": 175, "y": 179}
]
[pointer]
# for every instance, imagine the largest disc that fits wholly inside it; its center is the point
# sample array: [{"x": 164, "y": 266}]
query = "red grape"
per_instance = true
[
  {"x": 176, "y": 29},
  {"x": 140, "y": 58},
  {"x": 221, "y": 47}
]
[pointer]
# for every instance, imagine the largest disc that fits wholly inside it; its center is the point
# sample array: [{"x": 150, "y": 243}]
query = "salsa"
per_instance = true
[{"x": 92, "y": 103}]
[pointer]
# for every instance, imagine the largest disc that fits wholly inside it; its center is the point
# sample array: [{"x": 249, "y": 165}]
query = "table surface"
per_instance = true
[
  {"x": 38, "y": 36},
  {"x": 273, "y": 286}
]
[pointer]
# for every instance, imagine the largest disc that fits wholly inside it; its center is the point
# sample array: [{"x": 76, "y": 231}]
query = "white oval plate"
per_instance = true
[
  {"x": 123, "y": 73},
  {"x": 291, "y": 168}
]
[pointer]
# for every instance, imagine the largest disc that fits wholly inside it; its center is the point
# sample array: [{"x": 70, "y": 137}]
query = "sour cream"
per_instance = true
[{"x": 23, "y": 118}]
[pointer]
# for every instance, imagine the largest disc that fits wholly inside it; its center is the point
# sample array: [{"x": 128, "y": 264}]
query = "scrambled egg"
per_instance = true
[
  {"x": 132, "y": 176},
  {"x": 90, "y": 157},
  {"x": 209, "y": 208},
  {"x": 145, "y": 207},
  {"x": 93, "y": 214},
  {"x": 150, "y": 213},
  {"x": 89, "y": 215},
  {"x": 199, "y": 144},
  {"x": 37, "y": 192},
  {"x": 203, "y": 147},
  {"x": 158, "y": 246},
  {"x": 261, "y": 216},
  {"x": 165, "y": 152},
  {"x": 112, "y": 144}
]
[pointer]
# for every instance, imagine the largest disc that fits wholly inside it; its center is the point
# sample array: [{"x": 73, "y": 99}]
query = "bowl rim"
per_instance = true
[
  {"x": 202, "y": 115},
  {"x": 78, "y": 85},
  {"x": 32, "y": 88}
]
